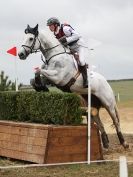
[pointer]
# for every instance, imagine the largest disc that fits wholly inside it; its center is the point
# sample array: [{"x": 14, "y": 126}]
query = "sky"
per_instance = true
[{"x": 105, "y": 25}]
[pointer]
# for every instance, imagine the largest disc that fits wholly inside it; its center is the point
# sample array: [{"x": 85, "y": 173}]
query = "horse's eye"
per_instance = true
[{"x": 31, "y": 39}]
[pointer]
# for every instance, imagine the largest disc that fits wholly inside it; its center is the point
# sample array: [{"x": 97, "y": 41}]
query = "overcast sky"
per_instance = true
[{"x": 106, "y": 25}]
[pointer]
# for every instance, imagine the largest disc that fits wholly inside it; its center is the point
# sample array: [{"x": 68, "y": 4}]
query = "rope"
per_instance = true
[{"x": 58, "y": 164}]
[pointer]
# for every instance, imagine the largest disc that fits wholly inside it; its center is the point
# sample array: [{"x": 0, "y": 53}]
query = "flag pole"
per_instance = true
[
  {"x": 16, "y": 76},
  {"x": 13, "y": 51}
]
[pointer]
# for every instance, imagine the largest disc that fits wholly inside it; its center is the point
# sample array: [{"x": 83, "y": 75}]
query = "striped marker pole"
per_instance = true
[
  {"x": 13, "y": 51},
  {"x": 89, "y": 116}
]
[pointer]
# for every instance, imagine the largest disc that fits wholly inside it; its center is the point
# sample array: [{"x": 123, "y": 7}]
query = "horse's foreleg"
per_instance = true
[
  {"x": 51, "y": 75},
  {"x": 48, "y": 73},
  {"x": 37, "y": 84}
]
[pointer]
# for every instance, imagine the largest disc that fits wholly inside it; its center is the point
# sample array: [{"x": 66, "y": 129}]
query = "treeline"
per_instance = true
[
  {"x": 119, "y": 80},
  {"x": 5, "y": 83}
]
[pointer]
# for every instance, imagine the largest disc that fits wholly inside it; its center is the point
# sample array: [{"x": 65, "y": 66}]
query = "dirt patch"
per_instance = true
[
  {"x": 126, "y": 122},
  {"x": 116, "y": 150}
]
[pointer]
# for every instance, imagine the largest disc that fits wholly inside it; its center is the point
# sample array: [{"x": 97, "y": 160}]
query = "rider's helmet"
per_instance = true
[{"x": 53, "y": 21}]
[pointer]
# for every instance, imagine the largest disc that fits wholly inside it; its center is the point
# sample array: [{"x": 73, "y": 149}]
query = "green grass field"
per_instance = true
[
  {"x": 124, "y": 88},
  {"x": 109, "y": 169}
]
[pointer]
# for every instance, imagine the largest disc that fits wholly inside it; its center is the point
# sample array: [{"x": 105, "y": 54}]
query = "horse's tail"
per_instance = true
[{"x": 117, "y": 113}]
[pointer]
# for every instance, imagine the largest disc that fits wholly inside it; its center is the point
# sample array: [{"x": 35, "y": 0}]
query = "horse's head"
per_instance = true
[{"x": 30, "y": 43}]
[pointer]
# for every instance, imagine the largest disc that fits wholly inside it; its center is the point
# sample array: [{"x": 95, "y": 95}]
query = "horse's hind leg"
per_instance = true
[
  {"x": 97, "y": 120},
  {"x": 115, "y": 117}
]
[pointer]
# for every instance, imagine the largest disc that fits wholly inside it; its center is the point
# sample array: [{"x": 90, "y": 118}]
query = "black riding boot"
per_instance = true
[{"x": 83, "y": 70}]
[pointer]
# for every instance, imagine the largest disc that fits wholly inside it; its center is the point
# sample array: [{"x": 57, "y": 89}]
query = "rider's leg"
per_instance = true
[
  {"x": 83, "y": 67},
  {"x": 83, "y": 70}
]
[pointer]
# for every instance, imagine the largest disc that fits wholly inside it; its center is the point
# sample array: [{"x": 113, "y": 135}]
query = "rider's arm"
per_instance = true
[{"x": 70, "y": 34}]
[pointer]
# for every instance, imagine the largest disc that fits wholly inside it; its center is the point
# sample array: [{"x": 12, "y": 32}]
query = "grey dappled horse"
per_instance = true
[{"x": 61, "y": 69}]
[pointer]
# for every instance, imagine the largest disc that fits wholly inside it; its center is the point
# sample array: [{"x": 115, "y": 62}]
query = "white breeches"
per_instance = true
[{"x": 80, "y": 51}]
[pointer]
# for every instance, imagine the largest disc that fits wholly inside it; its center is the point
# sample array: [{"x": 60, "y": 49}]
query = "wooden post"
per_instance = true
[{"x": 123, "y": 167}]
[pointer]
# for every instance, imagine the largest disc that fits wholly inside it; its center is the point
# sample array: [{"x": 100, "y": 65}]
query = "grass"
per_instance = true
[
  {"x": 109, "y": 169},
  {"x": 124, "y": 88},
  {"x": 64, "y": 171}
]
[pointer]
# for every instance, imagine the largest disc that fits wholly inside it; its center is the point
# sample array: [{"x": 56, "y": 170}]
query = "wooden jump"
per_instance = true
[{"x": 40, "y": 143}]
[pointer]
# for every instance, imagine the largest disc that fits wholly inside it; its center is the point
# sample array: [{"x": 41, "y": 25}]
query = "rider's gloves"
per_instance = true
[{"x": 63, "y": 41}]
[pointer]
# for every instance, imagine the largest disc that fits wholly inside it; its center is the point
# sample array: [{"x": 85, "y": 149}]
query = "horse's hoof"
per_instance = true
[
  {"x": 125, "y": 145},
  {"x": 105, "y": 140},
  {"x": 106, "y": 146}
]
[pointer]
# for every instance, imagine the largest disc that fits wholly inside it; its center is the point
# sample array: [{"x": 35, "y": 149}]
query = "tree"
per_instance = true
[
  {"x": 13, "y": 86},
  {"x": 4, "y": 83}
]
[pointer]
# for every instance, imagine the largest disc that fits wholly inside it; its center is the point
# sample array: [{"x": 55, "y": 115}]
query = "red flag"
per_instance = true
[{"x": 12, "y": 51}]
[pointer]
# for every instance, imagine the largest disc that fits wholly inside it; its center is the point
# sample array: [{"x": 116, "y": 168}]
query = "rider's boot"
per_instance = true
[{"x": 83, "y": 70}]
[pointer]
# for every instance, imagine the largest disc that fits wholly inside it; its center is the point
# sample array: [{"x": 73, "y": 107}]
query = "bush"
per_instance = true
[
  {"x": 40, "y": 107},
  {"x": 8, "y": 105}
]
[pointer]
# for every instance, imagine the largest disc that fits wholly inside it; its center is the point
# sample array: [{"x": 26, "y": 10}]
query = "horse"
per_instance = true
[{"x": 60, "y": 68}]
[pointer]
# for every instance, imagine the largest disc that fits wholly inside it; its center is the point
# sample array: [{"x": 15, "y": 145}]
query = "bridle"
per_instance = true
[
  {"x": 32, "y": 50},
  {"x": 44, "y": 51}
]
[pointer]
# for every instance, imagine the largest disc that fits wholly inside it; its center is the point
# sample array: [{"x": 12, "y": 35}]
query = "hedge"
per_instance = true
[{"x": 40, "y": 107}]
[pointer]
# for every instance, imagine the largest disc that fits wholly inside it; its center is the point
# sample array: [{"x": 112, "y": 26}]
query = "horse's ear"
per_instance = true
[
  {"x": 28, "y": 26},
  {"x": 27, "y": 29},
  {"x": 36, "y": 27},
  {"x": 36, "y": 30}
]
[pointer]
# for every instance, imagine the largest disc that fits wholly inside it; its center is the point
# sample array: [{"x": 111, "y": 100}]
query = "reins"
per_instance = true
[
  {"x": 65, "y": 52},
  {"x": 44, "y": 51},
  {"x": 32, "y": 50}
]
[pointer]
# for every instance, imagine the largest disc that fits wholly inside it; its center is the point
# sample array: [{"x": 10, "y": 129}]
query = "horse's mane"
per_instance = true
[
  {"x": 46, "y": 34},
  {"x": 49, "y": 36}
]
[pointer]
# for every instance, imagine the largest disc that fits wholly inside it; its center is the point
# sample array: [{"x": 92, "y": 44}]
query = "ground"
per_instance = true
[{"x": 110, "y": 169}]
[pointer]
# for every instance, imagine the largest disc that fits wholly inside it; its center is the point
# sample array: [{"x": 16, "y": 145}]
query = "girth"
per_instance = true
[{"x": 66, "y": 88}]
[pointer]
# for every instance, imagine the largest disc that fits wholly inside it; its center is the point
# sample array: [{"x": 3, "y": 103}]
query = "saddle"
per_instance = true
[
  {"x": 81, "y": 69},
  {"x": 76, "y": 57}
]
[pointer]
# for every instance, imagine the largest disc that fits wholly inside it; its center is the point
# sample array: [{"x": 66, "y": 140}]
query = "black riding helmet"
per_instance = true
[{"x": 52, "y": 21}]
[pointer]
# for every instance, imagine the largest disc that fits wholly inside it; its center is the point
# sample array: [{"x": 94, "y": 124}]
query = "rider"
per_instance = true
[{"x": 68, "y": 37}]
